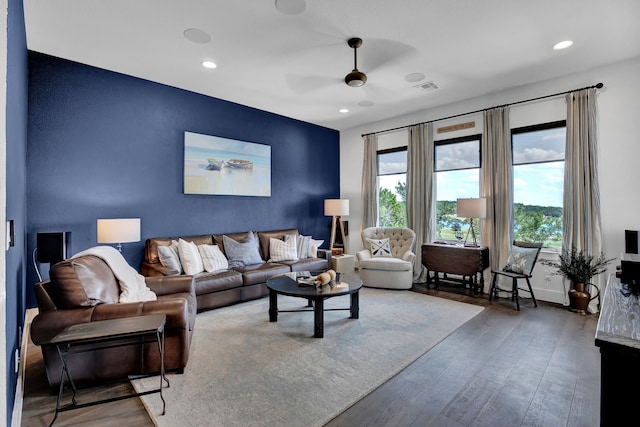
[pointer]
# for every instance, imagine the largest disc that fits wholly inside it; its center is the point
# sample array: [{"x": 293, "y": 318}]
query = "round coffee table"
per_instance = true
[{"x": 286, "y": 284}]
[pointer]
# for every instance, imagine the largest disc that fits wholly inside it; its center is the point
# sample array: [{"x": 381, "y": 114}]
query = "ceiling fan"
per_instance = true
[{"x": 355, "y": 78}]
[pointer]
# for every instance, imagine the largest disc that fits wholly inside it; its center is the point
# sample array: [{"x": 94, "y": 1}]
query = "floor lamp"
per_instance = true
[
  {"x": 471, "y": 208},
  {"x": 336, "y": 208}
]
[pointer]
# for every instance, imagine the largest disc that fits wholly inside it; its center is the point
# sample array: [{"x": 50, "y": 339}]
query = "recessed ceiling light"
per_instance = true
[
  {"x": 197, "y": 35},
  {"x": 209, "y": 64},
  {"x": 563, "y": 45},
  {"x": 414, "y": 77},
  {"x": 365, "y": 103},
  {"x": 344, "y": 110},
  {"x": 291, "y": 7}
]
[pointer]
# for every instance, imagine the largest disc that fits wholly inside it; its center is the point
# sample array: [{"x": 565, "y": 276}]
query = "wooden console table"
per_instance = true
[
  {"x": 618, "y": 336},
  {"x": 466, "y": 261}
]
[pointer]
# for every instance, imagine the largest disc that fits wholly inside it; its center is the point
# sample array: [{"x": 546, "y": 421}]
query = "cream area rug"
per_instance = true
[{"x": 245, "y": 371}]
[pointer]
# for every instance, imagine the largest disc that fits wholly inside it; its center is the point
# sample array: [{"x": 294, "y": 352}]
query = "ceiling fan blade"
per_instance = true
[
  {"x": 376, "y": 53},
  {"x": 302, "y": 84}
]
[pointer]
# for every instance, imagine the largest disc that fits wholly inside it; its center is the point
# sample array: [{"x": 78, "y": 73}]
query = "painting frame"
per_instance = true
[{"x": 214, "y": 165}]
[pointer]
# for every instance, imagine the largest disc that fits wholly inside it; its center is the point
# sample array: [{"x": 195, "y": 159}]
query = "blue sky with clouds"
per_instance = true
[{"x": 534, "y": 184}]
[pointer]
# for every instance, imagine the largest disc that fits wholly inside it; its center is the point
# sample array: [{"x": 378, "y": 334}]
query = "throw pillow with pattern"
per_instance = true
[
  {"x": 521, "y": 260},
  {"x": 283, "y": 250},
  {"x": 380, "y": 247},
  {"x": 212, "y": 258}
]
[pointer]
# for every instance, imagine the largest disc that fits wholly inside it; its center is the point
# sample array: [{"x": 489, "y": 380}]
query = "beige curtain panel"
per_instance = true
[{"x": 420, "y": 191}]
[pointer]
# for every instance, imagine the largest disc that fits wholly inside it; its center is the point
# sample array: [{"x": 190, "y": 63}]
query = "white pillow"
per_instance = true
[
  {"x": 313, "y": 247},
  {"x": 283, "y": 250},
  {"x": 303, "y": 246},
  {"x": 212, "y": 258},
  {"x": 190, "y": 257},
  {"x": 380, "y": 247},
  {"x": 169, "y": 257}
]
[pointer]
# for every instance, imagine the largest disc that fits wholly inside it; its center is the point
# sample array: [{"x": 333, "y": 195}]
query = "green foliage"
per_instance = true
[
  {"x": 578, "y": 266},
  {"x": 531, "y": 223},
  {"x": 538, "y": 224},
  {"x": 391, "y": 212}
]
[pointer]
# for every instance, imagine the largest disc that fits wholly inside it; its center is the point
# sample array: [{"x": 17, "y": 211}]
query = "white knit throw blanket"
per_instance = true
[{"x": 132, "y": 285}]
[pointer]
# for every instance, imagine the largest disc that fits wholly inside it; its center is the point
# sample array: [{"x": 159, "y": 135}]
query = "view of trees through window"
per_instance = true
[
  {"x": 392, "y": 185},
  {"x": 538, "y": 176},
  {"x": 538, "y": 179},
  {"x": 457, "y": 175}
]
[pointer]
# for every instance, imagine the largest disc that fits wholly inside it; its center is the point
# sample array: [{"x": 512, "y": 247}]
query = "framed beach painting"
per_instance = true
[{"x": 222, "y": 166}]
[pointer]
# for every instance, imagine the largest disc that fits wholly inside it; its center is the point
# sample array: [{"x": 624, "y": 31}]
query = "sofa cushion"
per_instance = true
[
  {"x": 84, "y": 282},
  {"x": 385, "y": 263},
  {"x": 206, "y": 282},
  {"x": 308, "y": 264},
  {"x": 259, "y": 273}
]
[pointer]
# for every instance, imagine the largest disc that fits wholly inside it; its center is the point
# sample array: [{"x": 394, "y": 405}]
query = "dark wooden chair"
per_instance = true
[{"x": 516, "y": 272}]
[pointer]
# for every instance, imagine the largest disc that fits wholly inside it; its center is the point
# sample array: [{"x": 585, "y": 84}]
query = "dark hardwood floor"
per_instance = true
[{"x": 536, "y": 367}]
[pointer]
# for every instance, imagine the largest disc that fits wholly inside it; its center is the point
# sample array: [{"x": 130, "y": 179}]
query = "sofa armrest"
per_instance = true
[
  {"x": 409, "y": 256},
  {"x": 47, "y": 325},
  {"x": 156, "y": 269},
  {"x": 167, "y": 285},
  {"x": 325, "y": 254},
  {"x": 363, "y": 254}
]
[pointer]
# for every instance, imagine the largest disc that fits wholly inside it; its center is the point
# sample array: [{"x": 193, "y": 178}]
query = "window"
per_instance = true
[
  {"x": 538, "y": 180},
  {"x": 457, "y": 175},
  {"x": 392, "y": 187}
]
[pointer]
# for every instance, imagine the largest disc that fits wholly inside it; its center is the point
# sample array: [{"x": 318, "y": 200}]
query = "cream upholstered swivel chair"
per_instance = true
[{"x": 387, "y": 258}]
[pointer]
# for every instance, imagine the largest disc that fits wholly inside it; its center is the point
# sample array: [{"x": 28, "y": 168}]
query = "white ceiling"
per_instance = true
[{"x": 294, "y": 65}]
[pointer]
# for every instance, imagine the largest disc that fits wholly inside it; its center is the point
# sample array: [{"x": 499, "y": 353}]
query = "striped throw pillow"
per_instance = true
[
  {"x": 212, "y": 258},
  {"x": 283, "y": 250}
]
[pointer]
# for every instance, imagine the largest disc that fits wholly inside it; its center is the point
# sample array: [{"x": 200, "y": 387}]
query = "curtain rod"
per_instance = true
[{"x": 596, "y": 86}]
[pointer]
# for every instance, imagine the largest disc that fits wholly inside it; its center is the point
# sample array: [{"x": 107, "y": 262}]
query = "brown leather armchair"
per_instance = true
[{"x": 84, "y": 290}]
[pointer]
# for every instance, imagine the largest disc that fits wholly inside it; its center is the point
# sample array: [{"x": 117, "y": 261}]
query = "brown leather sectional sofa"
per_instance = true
[
  {"x": 84, "y": 290},
  {"x": 226, "y": 287}
]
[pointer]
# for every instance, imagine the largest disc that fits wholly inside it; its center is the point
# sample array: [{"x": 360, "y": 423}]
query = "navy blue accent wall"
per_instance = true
[
  {"x": 107, "y": 145},
  {"x": 16, "y": 209}
]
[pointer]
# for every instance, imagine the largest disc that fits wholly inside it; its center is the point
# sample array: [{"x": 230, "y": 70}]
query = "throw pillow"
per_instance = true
[
  {"x": 244, "y": 252},
  {"x": 169, "y": 257},
  {"x": 303, "y": 246},
  {"x": 212, "y": 258},
  {"x": 521, "y": 260},
  {"x": 313, "y": 247},
  {"x": 283, "y": 250},
  {"x": 190, "y": 257},
  {"x": 380, "y": 247}
]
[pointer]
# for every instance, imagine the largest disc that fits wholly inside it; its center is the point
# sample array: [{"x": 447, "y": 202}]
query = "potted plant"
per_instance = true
[{"x": 579, "y": 268}]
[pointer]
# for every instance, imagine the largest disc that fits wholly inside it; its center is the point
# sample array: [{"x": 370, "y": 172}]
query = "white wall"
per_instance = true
[
  {"x": 619, "y": 141},
  {"x": 3, "y": 207}
]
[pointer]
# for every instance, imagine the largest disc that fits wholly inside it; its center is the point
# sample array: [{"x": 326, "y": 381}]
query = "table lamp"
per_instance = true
[
  {"x": 336, "y": 208},
  {"x": 471, "y": 208},
  {"x": 119, "y": 230}
]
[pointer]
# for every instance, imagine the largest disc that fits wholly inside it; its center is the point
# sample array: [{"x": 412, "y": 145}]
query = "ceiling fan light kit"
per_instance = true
[{"x": 355, "y": 78}]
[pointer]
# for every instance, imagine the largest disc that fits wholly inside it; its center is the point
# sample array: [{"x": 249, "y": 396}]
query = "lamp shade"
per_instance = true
[
  {"x": 120, "y": 230},
  {"x": 336, "y": 207},
  {"x": 471, "y": 208}
]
